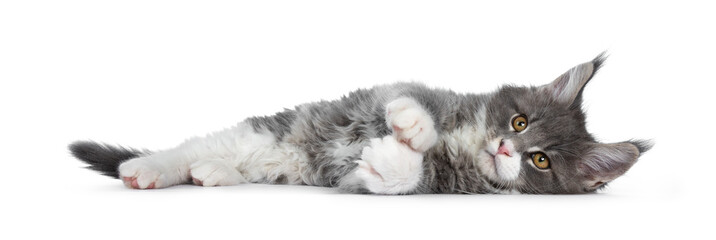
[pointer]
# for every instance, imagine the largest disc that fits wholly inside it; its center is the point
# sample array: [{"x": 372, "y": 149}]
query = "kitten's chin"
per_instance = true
[
  {"x": 507, "y": 168},
  {"x": 498, "y": 168}
]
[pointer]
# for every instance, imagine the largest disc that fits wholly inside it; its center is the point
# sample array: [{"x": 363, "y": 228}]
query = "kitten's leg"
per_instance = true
[
  {"x": 411, "y": 124},
  {"x": 164, "y": 171},
  {"x": 237, "y": 155}
]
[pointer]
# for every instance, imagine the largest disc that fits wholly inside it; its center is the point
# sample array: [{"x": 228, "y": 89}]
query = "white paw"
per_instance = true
[
  {"x": 211, "y": 173},
  {"x": 142, "y": 173},
  {"x": 389, "y": 167},
  {"x": 411, "y": 124}
]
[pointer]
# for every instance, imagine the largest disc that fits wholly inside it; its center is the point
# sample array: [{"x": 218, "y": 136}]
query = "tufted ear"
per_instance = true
[
  {"x": 567, "y": 88},
  {"x": 605, "y": 162}
]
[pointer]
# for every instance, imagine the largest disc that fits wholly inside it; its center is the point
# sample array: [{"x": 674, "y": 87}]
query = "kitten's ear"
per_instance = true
[
  {"x": 567, "y": 89},
  {"x": 605, "y": 162}
]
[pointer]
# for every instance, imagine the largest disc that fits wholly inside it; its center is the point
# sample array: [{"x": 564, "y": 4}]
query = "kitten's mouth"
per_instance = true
[
  {"x": 492, "y": 159},
  {"x": 504, "y": 169},
  {"x": 494, "y": 181}
]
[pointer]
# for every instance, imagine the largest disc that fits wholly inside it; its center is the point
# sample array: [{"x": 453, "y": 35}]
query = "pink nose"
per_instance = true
[{"x": 503, "y": 150}]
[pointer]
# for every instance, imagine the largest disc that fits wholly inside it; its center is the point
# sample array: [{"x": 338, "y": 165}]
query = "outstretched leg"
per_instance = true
[{"x": 237, "y": 155}]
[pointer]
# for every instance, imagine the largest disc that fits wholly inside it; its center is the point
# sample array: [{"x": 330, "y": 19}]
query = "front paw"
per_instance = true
[
  {"x": 411, "y": 124},
  {"x": 389, "y": 167}
]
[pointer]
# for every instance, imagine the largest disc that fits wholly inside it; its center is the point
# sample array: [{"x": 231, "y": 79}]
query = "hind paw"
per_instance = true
[
  {"x": 212, "y": 173},
  {"x": 139, "y": 173}
]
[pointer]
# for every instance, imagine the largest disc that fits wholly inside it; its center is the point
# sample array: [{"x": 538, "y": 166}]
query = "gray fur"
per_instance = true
[
  {"x": 320, "y": 128},
  {"x": 557, "y": 127},
  {"x": 279, "y": 124}
]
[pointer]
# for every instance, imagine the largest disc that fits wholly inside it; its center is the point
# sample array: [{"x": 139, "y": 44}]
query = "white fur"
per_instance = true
[
  {"x": 389, "y": 167},
  {"x": 228, "y": 157},
  {"x": 411, "y": 124},
  {"x": 508, "y": 168}
]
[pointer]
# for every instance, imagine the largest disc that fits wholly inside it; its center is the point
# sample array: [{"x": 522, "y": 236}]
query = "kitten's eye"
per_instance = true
[
  {"x": 519, "y": 123},
  {"x": 540, "y": 160}
]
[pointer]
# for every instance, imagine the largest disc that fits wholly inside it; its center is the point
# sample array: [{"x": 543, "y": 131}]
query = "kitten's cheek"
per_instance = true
[
  {"x": 487, "y": 165},
  {"x": 507, "y": 168}
]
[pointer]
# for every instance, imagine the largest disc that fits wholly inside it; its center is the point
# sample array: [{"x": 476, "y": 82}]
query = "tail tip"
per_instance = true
[{"x": 102, "y": 157}]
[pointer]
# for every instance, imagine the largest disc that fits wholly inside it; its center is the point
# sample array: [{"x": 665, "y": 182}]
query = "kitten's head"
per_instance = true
[{"x": 537, "y": 141}]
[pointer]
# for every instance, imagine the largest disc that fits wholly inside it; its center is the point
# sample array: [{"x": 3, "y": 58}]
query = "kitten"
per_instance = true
[{"x": 402, "y": 138}]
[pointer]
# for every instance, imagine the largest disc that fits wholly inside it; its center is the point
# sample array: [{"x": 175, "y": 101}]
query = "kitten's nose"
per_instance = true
[{"x": 503, "y": 149}]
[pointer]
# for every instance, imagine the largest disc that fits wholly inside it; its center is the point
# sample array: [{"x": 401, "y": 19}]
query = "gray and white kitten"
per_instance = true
[{"x": 402, "y": 138}]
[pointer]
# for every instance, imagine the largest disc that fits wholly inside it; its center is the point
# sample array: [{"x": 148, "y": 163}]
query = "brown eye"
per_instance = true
[
  {"x": 519, "y": 123},
  {"x": 540, "y": 160}
]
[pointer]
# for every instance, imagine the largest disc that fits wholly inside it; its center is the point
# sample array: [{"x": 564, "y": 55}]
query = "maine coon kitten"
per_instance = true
[{"x": 402, "y": 138}]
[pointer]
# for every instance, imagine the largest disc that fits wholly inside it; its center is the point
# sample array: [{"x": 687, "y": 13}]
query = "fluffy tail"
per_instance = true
[{"x": 102, "y": 157}]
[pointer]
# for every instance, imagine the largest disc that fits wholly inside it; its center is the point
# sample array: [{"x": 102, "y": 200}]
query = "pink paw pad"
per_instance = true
[
  {"x": 197, "y": 182},
  {"x": 131, "y": 182}
]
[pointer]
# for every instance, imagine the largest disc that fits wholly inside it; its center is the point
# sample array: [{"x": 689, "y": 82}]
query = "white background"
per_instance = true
[{"x": 149, "y": 74}]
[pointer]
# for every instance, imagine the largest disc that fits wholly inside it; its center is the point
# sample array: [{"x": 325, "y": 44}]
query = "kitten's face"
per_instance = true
[{"x": 537, "y": 141}]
